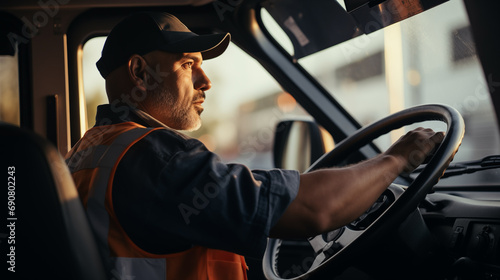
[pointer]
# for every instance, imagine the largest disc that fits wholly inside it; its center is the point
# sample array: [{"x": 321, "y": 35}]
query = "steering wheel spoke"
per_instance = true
[
  {"x": 318, "y": 243},
  {"x": 318, "y": 260}
]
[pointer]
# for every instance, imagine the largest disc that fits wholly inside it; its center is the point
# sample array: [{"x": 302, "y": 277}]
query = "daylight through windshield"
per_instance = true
[{"x": 415, "y": 61}]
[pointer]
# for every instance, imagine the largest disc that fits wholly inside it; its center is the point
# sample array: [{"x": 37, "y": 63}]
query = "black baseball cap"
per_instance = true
[{"x": 145, "y": 32}]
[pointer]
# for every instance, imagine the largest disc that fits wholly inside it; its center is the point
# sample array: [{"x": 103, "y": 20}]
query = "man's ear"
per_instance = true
[{"x": 137, "y": 71}]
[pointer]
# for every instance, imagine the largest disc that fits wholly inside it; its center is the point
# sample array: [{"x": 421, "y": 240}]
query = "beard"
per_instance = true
[{"x": 178, "y": 115}]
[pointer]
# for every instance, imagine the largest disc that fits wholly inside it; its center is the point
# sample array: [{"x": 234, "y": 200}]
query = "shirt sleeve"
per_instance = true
[{"x": 170, "y": 194}]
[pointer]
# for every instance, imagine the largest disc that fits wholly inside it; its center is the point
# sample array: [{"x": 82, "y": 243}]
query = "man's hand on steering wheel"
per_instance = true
[{"x": 413, "y": 148}]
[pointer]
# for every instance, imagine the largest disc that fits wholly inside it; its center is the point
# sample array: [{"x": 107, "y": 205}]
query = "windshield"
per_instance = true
[{"x": 427, "y": 58}]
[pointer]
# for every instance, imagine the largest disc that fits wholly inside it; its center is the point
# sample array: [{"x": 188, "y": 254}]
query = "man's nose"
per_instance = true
[{"x": 201, "y": 81}]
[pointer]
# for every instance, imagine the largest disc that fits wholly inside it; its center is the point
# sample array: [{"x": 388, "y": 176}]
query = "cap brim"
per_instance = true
[{"x": 210, "y": 46}]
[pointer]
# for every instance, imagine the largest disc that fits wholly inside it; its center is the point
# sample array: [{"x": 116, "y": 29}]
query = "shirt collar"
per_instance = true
[
  {"x": 117, "y": 113},
  {"x": 147, "y": 118},
  {"x": 121, "y": 112}
]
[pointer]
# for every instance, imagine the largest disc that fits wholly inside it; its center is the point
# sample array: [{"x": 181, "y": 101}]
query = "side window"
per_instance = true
[
  {"x": 241, "y": 109},
  {"x": 93, "y": 84},
  {"x": 9, "y": 89}
]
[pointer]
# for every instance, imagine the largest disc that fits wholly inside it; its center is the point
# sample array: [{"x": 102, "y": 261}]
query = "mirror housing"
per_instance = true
[{"x": 299, "y": 143}]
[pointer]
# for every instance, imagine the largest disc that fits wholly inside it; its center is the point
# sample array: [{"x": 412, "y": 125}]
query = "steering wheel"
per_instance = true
[{"x": 333, "y": 249}]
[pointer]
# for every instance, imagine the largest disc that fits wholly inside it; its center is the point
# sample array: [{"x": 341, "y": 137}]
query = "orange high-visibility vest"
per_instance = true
[{"x": 93, "y": 162}]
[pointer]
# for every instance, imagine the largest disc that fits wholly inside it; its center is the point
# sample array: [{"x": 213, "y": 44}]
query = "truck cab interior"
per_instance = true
[{"x": 303, "y": 85}]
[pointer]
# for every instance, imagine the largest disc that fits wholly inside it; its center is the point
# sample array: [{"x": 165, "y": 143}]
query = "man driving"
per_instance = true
[{"x": 161, "y": 204}]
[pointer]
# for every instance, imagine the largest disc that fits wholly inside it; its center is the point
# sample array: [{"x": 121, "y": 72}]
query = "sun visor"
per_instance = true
[
  {"x": 376, "y": 14},
  {"x": 312, "y": 25},
  {"x": 316, "y": 25}
]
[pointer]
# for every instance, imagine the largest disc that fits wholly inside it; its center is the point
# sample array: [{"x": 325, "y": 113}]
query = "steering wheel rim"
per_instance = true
[{"x": 407, "y": 201}]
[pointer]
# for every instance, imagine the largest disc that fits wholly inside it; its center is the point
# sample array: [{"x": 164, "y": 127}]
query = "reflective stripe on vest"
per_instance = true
[{"x": 93, "y": 165}]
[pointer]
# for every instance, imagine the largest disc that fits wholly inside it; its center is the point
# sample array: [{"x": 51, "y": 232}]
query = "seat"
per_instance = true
[{"x": 45, "y": 232}]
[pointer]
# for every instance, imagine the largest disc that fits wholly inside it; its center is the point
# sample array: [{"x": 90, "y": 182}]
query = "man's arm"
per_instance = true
[{"x": 331, "y": 198}]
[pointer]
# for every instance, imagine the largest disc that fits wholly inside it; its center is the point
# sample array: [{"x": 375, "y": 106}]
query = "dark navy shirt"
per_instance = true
[{"x": 170, "y": 193}]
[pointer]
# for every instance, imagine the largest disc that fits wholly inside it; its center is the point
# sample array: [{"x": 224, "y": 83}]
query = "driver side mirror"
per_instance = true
[{"x": 299, "y": 143}]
